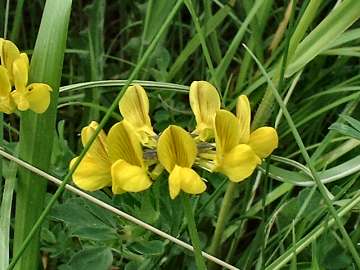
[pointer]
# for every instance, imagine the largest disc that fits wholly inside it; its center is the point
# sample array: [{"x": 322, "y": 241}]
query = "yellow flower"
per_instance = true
[
  {"x": 262, "y": 140},
  {"x": 134, "y": 107},
  {"x": 8, "y": 53},
  {"x": 238, "y": 151},
  {"x": 129, "y": 172},
  {"x": 237, "y": 161},
  {"x": 177, "y": 152},
  {"x": 94, "y": 170},
  {"x": 35, "y": 96},
  {"x": 7, "y": 104},
  {"x": 204, "y": 102},
  {"x": 114, "y": 160}
]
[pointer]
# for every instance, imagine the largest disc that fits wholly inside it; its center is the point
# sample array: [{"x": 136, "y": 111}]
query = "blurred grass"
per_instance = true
[{"x": 270, "y": 223}]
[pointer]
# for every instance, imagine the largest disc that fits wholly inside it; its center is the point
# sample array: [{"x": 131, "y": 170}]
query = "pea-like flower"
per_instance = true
[
  {"x": 128, "y": 171},
  {"x": 8, "y": 54},
  {"x": 134, "y": 107},
  {"x": 262, "y": 140},
  {"x": 7, "y": 104},
  {"x": 94, "y": 170},
  {"x": 177, "y": 152},
  {"x": 116, "y": 159},
  {"x": 35, "y": 96},
  {"x": 238, "y": 151},
  {"x": 204, "y": 102}
]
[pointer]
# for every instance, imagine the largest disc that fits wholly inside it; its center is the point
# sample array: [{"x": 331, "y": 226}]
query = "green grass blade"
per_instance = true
[
  {"x": 305, "y": 20},
  {"x": 338, "y": 20},
  {"x": 204, "y": 46},
  {"x": 194, "y": 43},
  {"x": 5, "y": 215},
  {"x": 234, "y": 45},
  {"x": 188, "y": 209},
  {"x": 96, "y": 52},
  {"x": 312, "y": 236},
  {"x": 36, "y": 136},
  {"x": 17, "y": 20}
]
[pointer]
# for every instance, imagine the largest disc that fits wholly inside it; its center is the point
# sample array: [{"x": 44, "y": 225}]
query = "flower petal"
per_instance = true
[
  {"x": 204, "y": 102},
  {"x": 243, "y": 113},
  {"x": 5, "y": 86},
  {"x": 263, "y": 141},
  {"x": 8, "y": 53},
  {"x": 186, "y": 179},
  {"x": 98, "y": 147},
  {"x": 7, "y": 104},
  {"x": 227, "y": 134},
  {"x": 176, "y": 147},
  {"x": 123, "y": 144},
  {"x": 38, "y": 96},
  {"x": 20, "y": 72},
  {"x": 20, "y": 100},
  {"x": 134, "y": 107},
  {"x": 239, "y": 163},
  {"x": 91, "y": 174},
  {"x": 174, "y": 184},
  {"x": 191, "y": 182},
  {"x": 127, "y": 177},
  {"x": 94, "y": 171}
]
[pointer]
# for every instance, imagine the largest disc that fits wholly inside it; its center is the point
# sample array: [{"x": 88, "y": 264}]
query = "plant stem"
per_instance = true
[
  {"x": 223, "y": 217},
  {"x": 194, "y": 236}
]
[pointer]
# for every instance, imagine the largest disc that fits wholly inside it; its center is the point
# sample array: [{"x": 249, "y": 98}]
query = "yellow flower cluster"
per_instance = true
[
  {"x": 221, "y": 142},
  {"x": 14, "y": 89}
]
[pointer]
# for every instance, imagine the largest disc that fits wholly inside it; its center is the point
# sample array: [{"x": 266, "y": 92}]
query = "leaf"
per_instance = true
[
  {"x": 194, "y": 43},
  {"x": 346, "y": 130},
  {"x": 352, "y": 121},
  {"x": 92, "y": 259},
  {"x": 234, "y": 45},
  {"x": 95, "y": 233},
  {"x": 338, "y": 20},
  {"x": 154, "y": 247},
  {"x": 73, "y": 214}
]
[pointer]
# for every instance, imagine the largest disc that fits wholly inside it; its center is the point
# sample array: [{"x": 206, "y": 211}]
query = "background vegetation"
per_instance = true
[{"x": 278, "y": 218}]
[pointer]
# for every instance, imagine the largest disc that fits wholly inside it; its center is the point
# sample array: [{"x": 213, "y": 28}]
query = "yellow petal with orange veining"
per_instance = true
[
  {"x": 243, "y": 113},
  {"x": 124, "y": 144},
  {"x": 204, "y": 102},
  {"x": 176, "y": 147},
  {"x": 134, "y": 107},
  {"x": 227, "y": 134}
]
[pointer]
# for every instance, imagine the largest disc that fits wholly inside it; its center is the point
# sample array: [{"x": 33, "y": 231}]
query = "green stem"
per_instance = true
[
  {"x": 223, "y": 217},
  {"x": 194, "y": 236}
]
